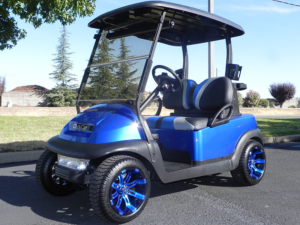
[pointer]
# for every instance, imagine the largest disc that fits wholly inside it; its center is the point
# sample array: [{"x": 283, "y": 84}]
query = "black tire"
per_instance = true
[
  {"x": 46, "y": 178},
  {"x": 252, "y": 165},
  {"x": 108, "y": 198}
]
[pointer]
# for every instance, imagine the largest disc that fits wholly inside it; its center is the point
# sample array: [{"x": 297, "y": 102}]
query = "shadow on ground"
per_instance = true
[{"x": 21, "y": 190}]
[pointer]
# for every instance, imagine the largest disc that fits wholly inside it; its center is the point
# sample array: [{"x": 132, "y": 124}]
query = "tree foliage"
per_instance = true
[
  {"x": 64, "y": 93},
  {"x": 63, "y": 64},
  {"x": 2, "y": 88},
  {"x": 252, "y": 99},
  {"x": 101, "y": 79},
  {"x": 37, "y": 12},
  {"x": 112, "y": 81},
  {"x": 240, "y": 99},
  {"x": 125, "y": 80},
  {"x": 61, "y": 98},
  {"x": 263, "y": 103},
  {"x": 282, "y": 92}
]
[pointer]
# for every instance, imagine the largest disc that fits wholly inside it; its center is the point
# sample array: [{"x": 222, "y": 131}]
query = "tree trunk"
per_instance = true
[{"x": 281, "y": 105}]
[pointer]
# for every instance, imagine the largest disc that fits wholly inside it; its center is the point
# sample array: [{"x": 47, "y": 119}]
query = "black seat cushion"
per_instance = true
[
  {"x": 212, "y": 94},
  {"x": 183, "y": 99}
]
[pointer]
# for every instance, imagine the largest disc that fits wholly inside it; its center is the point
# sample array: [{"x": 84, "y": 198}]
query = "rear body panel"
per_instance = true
[{"x": 208, "y": 143}]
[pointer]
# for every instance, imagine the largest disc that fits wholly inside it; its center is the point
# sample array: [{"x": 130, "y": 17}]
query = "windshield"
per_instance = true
[{"x": 116, "y": 69}]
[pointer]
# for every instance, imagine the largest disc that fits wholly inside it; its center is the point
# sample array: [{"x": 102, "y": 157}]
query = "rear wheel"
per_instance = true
[
  {"x": 119, "y": 189},
  {"x": 252, "y": 165},
  {"x": 46, "y": 177}
]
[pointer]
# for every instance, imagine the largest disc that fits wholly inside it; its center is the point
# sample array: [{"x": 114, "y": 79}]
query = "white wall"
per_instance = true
[
  {"x": 288, "y": 103},
  {"x": 23, "y": 99}
]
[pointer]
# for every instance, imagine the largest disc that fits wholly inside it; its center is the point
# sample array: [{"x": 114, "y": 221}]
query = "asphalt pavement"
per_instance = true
[
  {"x": 206, "y": 200},
  {"x": 277, "y": 116}
]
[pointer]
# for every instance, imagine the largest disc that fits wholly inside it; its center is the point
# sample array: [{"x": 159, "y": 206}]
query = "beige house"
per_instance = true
[{"x": 30, "y": 95}]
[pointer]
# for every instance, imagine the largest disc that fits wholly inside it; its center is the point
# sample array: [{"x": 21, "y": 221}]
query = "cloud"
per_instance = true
[{"x": 271, "y": 9}]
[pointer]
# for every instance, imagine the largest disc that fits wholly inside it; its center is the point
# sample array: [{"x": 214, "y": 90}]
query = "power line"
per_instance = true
[{"x": 287, "y": 3}]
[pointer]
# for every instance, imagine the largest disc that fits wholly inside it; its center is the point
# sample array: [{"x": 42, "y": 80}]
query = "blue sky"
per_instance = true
[{"x": 269, "y": 51}]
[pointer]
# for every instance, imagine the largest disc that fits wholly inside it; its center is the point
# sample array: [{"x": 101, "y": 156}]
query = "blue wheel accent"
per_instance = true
[
  {"x": 256, "y": 163},
  {"x": 128, "y": 191}
]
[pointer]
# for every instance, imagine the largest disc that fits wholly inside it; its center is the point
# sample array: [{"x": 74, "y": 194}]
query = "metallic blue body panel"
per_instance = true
[
  {"x": 208, "y": 143},
  {"x": 112, "y": 123}
]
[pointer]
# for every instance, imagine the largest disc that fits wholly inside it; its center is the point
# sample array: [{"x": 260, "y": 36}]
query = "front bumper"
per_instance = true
[
  {"x": 73, "y": 176},
  {"x": 94, "y": 151}
]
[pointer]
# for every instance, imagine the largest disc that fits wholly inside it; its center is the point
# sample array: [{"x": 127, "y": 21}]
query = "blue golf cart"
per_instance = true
[{"x": 111, "y": 148}]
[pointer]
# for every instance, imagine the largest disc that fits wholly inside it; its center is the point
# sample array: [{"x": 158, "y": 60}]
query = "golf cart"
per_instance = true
[{"x": 115, "y": 151}]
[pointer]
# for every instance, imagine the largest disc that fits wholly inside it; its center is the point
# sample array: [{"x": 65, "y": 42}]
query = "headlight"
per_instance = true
[{"x": 73, "y": 163}]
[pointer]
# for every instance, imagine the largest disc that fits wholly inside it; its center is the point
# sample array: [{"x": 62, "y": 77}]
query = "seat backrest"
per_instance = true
[
  {"x": 212, "y": 94},
  {"x": 183, "y": 99}
]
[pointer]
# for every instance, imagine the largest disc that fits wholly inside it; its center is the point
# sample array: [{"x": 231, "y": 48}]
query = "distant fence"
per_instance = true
[{"x": 38, "y": 111}]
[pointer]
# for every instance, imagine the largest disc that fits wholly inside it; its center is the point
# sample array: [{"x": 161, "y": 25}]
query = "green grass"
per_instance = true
[
  {"x": 278, "y": 127},
  {"x": 21, "y": 133}
]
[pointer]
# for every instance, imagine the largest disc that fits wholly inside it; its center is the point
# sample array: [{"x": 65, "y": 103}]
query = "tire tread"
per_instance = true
[
  {"x": 40, "y": 175},
  {"x": 240, "y": 173},
  {"x": 98, "y": 183}
]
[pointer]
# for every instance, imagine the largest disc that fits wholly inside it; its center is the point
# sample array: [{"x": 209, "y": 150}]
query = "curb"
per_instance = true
[
  {"x": 26, "y": 156},
  {"x": 15, "y": 157},
  {"x": 282, "y": 139}
]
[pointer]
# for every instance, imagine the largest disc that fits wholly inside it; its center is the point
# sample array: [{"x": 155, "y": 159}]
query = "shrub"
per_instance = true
[
  {"x": 282, "y": 92},
  {"x": 292, "y": 106},
  {"x": 61, "y": 98},
  {"x": 272, "y": 105},
  {"x": 263, "y": 103},
  {"x": 252, "y": 99},
  {"x": 240, "y": 99}
]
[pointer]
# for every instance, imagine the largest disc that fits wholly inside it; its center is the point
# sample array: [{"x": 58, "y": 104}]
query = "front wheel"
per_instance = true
[
  {"x": 119, "y": 189},
  {"x": 252, "y": 165},
  {"x": 46, "y": 177}
]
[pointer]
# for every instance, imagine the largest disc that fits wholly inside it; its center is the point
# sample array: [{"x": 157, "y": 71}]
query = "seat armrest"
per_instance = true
[{"x": 216, "y": 122}]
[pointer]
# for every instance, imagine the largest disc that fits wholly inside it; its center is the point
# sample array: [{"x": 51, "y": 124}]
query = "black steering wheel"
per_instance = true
[{"x": 165, "y": 81}]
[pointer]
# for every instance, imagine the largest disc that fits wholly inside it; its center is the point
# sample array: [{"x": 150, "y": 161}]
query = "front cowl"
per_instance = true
[{"x": 103, "y": 123}]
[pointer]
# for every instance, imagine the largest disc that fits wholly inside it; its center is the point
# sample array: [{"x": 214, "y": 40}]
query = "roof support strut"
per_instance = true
[
  {"x": 229, "y": 50},
  {"x": 211, "y": 45}
]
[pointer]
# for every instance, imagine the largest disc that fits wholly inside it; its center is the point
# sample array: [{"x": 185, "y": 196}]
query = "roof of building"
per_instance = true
[{"x": 31, "y": 88}]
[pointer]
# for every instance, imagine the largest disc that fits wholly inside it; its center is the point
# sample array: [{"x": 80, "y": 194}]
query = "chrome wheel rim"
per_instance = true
[
  {"x": 256, "y": 163},
  {"x": 128, "y": 191}
]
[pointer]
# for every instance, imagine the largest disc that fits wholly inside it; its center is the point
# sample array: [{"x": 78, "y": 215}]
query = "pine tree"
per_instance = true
[
  {"x": 64, "y": 94},
  {"x": 101, "y": 83},
  {"x": 63, "y": 64},
  {"x": 113, "y": 81},
  {"x": 125, "y": 81}
]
